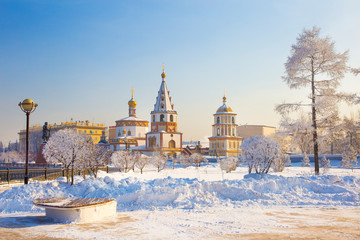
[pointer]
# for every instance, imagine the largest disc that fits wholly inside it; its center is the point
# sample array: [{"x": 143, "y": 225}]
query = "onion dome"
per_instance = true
[
  {"x": 224, "y": 107},
  {"x": 132, "y": 102},
  {"x": 163, "y": 75}
]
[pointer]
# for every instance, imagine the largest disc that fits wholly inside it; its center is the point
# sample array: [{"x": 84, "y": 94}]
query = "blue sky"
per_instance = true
[{"x": 80, "y": 59}]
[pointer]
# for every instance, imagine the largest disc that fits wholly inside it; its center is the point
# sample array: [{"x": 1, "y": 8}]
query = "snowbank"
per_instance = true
[{"x": 132, "y": 193}]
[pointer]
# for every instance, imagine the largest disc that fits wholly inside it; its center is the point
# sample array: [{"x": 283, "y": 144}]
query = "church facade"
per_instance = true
[
  {"x": 224, "y": 140},
  {"x": 164, "y": 135},
  {"x": 130, "y": 131}
]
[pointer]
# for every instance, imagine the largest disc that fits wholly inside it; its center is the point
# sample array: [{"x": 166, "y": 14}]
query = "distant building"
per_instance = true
[
  {"x": 35, "y": 133},
  {"x": 224, "y": 140},
  {"x": 130, "y": 131},
  {"x": 247, "y": 131}
]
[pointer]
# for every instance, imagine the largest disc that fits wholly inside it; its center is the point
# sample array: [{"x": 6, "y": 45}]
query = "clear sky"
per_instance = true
[{"x": 80, "y": 58}]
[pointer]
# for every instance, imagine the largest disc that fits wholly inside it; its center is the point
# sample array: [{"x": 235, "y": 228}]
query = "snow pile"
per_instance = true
[{"x": 132, "y": 193}]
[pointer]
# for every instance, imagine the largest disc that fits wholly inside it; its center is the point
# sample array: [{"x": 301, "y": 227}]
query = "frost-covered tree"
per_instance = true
[
  {"x": 1, "y": 147},
  {"x": 260, "y": 152},
  {"x": 12, "y": 157},
  {"x": 97, "y": 156},
  {"x": 197, "y": 159},
  {"x": 315, "y": 64},
  {"x": 141, "y": 162},
  {"x": 305, "y": 161},
  {"x": 124, "y": 160},
  {"x": 325, "y": 164},
  {"x": 280, "y": 163},
  {"x": 184, "y": 159},
  {"x": 68, "y": 148},
  {"x": 228, "y": 164},
  {"x": 300, "y": 131},
  {"x": 159, "y": 160}
]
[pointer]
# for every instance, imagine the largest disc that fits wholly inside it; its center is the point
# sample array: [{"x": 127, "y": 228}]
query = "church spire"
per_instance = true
[{"x": 163, "y": 100}]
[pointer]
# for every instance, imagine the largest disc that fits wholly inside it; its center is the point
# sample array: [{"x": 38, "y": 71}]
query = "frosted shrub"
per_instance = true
[
  {"x": 260, "y": 152},
  {"x": 280, "y": 163},
  {"x": 184, "y": 160},
  {"x": 229, "y": 164},
  {"x": 349, "y": 158},
  {"x": 305, "y": 161},
  {"x": 325, "y": 164}
]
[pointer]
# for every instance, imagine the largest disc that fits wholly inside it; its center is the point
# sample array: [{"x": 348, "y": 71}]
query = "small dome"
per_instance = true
[
  {"x": 132, "y": 103},
  {"x": 163, "y": 75},
  {"x": 224, "y": 108}
]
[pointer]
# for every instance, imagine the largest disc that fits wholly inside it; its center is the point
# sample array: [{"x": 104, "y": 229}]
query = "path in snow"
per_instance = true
[{"x": 211, "y": 223}]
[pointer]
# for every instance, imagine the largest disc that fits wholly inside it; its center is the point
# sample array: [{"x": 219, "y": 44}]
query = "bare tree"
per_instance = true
[{"x": 314, "y": 63}]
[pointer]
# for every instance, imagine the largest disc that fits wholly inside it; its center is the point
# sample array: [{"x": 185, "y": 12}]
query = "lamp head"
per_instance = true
[{"x": 28, "y": 106}]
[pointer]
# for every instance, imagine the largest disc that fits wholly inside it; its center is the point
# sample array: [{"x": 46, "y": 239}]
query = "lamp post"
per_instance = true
[{"x": 27, "y": 106}]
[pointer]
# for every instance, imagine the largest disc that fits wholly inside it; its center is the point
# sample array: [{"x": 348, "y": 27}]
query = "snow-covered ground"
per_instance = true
[{"x": 195, "y": 203}]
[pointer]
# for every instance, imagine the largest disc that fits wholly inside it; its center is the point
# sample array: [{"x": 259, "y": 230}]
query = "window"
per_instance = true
[
  {"x": 233, "y": 120},
  {"x": 218, "y": 132},
  {"x": 171, "y": 118},
  {"x": 161, "y": 117},
  {"x": 129, "y": 133},
  {"x": 172, "y": 144},
  {"x": 218, "y": 120},
  {"x": 162, "y": 105},
  {"x": 153, "y": 118},
  {"x": 152, "y": 141}
]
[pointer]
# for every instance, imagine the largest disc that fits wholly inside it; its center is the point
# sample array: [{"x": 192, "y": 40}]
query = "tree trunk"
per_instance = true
[
  {"x": 315, "y": 137},
  {"x": 72, "y": 174}
]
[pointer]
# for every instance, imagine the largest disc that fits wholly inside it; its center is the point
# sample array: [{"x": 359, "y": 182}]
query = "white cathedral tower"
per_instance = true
[{"x": 164, "y": 135}]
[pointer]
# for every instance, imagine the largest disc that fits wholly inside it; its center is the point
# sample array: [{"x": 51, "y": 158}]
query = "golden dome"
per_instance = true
[
  {"x": 132, "y": 103},
  {"x": 224, "y": 108},
  {"x": 163, "y": 75}
]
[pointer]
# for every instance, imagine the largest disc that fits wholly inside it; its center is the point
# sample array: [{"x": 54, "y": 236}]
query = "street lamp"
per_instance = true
[{"x": 27, "y": 106}]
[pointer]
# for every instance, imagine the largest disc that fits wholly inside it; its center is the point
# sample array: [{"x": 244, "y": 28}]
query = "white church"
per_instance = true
[{"x": 132, "y": 132}]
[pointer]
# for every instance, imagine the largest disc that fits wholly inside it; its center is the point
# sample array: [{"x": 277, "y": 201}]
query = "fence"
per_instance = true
[
  {"x": 41, "y": 174},
  {"x": 36, "y": 174}
]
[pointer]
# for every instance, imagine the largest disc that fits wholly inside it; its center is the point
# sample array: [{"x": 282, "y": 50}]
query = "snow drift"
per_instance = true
[{"x": 135, "y": 194}]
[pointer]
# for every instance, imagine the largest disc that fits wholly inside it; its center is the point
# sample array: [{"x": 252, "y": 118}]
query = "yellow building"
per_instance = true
[
  {"x": 35, "y": 133},
  {"x": 224, "y": 140}
]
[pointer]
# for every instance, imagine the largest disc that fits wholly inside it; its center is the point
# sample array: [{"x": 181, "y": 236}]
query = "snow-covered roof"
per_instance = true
[{"x": 132, "y": 119}]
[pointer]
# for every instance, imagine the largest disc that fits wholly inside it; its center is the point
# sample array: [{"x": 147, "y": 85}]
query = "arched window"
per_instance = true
[
  {"x": 218, "y": 132},
  {"x": 218, "y": 120},
  {"x": 161, "y": 117},
  {"x": 162, "y": 105},
  {"x": 129, "y": 133},
  {"x": 153, "y": 118},
  {"x": 233, "y": 120},
  {"x": 171, "y": 144},
  {"x": 171, "y": 118}
]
